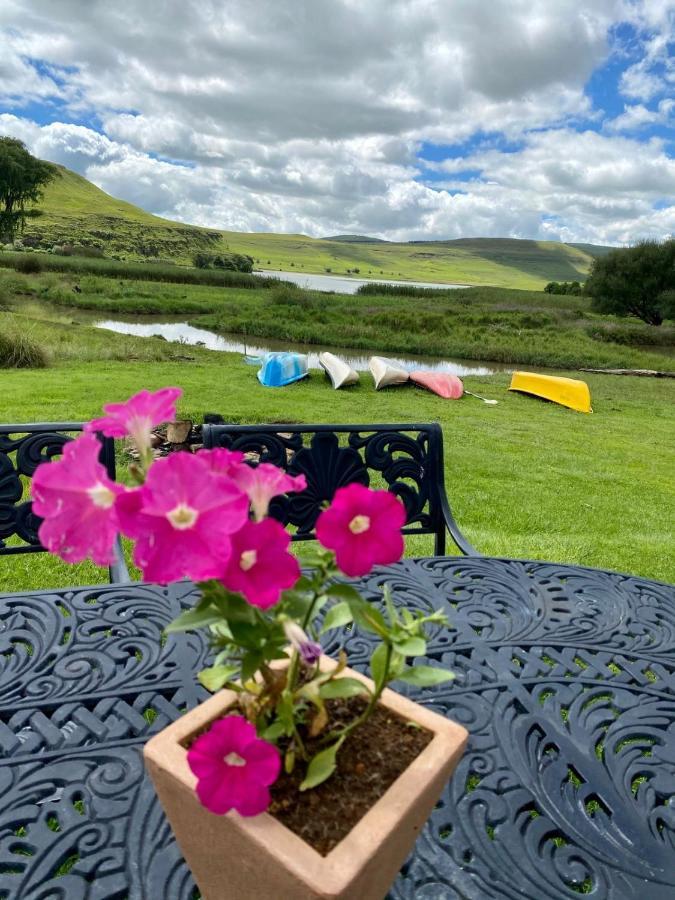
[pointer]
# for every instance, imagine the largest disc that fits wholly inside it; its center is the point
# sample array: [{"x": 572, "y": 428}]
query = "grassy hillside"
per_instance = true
[{"x": 75, "y": 211}]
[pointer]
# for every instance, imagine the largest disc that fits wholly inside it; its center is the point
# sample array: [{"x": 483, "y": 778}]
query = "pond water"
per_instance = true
[
  {"x": 343, "y": 284},
  {"x": 186, "y": 334}
]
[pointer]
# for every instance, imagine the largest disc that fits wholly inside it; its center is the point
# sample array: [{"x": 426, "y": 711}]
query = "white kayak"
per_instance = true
[
  {"x": 339, "y": 372},
  {"x": 385, "y": 372}
]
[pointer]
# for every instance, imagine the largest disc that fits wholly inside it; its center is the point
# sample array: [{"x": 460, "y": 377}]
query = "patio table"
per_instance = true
[{"x": 565, "y": 680}]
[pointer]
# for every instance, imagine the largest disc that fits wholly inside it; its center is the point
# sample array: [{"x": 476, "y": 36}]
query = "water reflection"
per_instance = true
[
  {"x": 183, "y": 333},
  {"x": 343, "y": 285}
]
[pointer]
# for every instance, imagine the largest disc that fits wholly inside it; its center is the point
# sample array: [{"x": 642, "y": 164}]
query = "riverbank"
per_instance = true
[{"x": 512, "y": 328}]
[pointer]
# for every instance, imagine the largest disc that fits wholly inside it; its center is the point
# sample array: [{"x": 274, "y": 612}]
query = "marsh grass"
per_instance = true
[
  {"x": 526, "y": 328},
  {"x": 19, "y": 351},
  {"x": 139, "y": 271}
]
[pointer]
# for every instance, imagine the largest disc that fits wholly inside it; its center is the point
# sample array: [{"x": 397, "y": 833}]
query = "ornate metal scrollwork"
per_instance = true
[
  {"x": 401, "y": 461},
  {"x": 565, "y": 678},
  {"x": 28, "y": 451}
]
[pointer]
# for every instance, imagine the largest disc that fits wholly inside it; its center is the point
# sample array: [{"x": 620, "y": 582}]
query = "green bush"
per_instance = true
[
  {"x": 29, "y": 265},
  {"x": 629, "y": 336},
  {"x": 144, "y": 271},
  {"x": 18, "y": 351}
]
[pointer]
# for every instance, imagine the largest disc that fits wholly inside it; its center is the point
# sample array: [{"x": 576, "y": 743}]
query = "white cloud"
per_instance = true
[{"x": 307, "y": 115}]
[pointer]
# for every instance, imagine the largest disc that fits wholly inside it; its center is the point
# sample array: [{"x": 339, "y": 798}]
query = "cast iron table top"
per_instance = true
[{"x": 565, "y": 680}]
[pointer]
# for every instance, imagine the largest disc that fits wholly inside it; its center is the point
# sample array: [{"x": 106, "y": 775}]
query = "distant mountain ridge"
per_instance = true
[{"x": 76, "y": 211}]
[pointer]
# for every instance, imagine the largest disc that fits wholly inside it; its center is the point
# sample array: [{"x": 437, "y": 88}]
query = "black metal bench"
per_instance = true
[
  {"x": 407, "y": 459},
  {"x": 22, "y": 449}
]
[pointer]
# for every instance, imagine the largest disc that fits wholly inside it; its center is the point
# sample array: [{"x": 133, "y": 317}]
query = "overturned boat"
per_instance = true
[
  {"x": 386, "y": 372},
  {"x": 569, "y": 392},
  {"x": 278, "y": 369},
  {"x": 449, "y": 387},
  {"x": 340, "y": 373}
]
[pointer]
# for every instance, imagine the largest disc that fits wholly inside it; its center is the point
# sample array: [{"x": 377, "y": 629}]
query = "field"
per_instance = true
[
  {"x": 525, "y": 478},
  {"x": 507, "y": 326},
  {"x": 74, "y": 211}
]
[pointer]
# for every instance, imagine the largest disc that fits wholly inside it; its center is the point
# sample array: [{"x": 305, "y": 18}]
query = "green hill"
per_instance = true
[{"x": 75, "y": 211}]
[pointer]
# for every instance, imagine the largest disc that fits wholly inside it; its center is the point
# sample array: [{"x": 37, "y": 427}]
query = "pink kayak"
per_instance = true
[{"x": 447, "y": 386}]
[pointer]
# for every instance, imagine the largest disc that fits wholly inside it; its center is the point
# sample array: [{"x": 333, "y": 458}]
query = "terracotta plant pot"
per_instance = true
[{"x": 236, "y": 858}]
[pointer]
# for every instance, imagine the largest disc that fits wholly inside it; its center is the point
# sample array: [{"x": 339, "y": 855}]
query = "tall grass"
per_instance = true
[
  {"x": 138, "y": 271},
  {"x": 19, "y": 351}
]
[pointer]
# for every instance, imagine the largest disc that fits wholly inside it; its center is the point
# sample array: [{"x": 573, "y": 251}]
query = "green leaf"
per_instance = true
[
  {"x": 273, "y": 731},
  {"x": 344, "y": 592},
  {"x": 425, "y": 676},
  {"x": 295, "y": 603},
  {"x": 368, "y": 617},
  {"x": 321, "y": 766},
  {"x": 338, "y": 615},
  {"x": 194, "y": 618},
  {"x": 250, "y": 635},
  {"x": 377, "y": 664},
  {"x": 342, "y": 687},
  {"x": 411, "y": 646},
  {"x": 215, "y": 677},
  {"x": 250, "y": 664}
]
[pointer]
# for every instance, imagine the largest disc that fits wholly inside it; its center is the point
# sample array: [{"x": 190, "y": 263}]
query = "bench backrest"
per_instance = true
[
  {"x": 22, "y": 449},
  {"x": 405, "y": 459}
]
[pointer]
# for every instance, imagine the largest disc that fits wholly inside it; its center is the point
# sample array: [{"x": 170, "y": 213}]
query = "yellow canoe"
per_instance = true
[{"x": 565, "y": 391}]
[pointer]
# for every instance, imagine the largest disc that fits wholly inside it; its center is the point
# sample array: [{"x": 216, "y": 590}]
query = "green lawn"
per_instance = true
[{"x": 525, "y": 478}]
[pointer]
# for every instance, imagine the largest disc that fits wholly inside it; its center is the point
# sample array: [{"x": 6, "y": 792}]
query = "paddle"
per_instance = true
[{"x": 489, "y": 402}]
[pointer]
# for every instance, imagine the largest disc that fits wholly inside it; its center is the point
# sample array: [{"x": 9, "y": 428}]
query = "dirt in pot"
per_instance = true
[{"x": 368, "y": 763}]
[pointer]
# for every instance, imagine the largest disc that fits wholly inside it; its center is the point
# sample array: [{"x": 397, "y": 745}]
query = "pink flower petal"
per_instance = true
[
  {"x": 265, "y": 481},
  {"x": 260, "y": 566},
  {"x": 363, "y": 527},
  {"x": 182, "y": 519},
  {"x": 77, "y": 501},
  {"x": 233, "y": 767}
]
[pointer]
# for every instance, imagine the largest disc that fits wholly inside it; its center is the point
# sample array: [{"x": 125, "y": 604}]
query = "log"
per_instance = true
[{"x": 646, "y": 373}]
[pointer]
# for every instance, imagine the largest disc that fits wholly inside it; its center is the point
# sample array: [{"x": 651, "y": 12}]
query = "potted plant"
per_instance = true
[{"x": 299, "y": 778}]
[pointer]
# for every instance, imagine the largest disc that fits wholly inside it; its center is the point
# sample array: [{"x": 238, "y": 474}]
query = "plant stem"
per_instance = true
[{"x": 374, "y": 700}]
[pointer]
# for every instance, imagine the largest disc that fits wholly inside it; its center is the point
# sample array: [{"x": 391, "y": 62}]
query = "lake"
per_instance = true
[
  {"x": 183, "y": 333},
  {"x": 343, "y": 284}
]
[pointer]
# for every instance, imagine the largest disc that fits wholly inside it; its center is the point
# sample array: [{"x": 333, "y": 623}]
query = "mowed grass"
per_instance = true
[{"x": 525, "y": 478}]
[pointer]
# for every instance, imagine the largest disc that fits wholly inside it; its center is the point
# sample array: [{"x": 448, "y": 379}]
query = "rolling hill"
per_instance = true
[{"x": 76, "y": 211}]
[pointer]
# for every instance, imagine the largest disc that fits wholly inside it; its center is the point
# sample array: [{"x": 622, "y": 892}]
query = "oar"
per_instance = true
[{"x": 489, "y": 402}]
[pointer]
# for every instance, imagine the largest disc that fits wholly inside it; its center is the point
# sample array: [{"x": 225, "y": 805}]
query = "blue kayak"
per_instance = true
[{"x": 277, "y": 369}]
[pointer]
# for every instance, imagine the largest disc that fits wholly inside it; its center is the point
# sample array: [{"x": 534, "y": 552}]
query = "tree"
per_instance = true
[
  {"x": 22, "y": 178},
  {"x": 636, "y": 281}
]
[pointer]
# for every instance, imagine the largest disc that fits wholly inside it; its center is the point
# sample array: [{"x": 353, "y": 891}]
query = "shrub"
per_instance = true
[
  {"x": 636, "y": 281},
  {"x": 290, "y": 296},
  {"x": 18, "y": 351},
  {"x": 29, "y": 265}
]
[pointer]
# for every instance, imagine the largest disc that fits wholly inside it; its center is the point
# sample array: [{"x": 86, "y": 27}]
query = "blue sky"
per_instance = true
[{"x": 540, "y": 119}]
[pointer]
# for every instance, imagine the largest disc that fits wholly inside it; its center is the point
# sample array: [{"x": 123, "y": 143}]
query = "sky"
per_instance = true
[{"x": 401, "y": 119}]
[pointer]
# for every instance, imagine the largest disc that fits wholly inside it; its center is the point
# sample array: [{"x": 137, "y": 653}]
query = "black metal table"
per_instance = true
[{"x": 565, "y": 679}]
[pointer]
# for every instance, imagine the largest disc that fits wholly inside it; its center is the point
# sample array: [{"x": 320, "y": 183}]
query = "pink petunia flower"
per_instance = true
[
  {"x": 76, "y": 499},
  {"x": 234, "y": 767},
  {"x": 138, "y": 416},
  {"x": 260, "y": 566},
  {"x": 363, "y": 527},
  {"x": 182, "y": 519},
  {"x": 222, "y": 461},
  {"x": 264, "y": 482}
]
